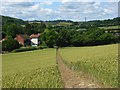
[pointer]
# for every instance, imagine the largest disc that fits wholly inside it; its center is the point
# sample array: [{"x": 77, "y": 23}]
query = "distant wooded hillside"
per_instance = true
[
  {"x": 97, "y": 23},
  {"x": 10, "y": 20}
]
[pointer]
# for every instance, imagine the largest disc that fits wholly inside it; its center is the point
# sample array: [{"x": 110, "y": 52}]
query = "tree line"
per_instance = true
[
  {"x": 76, "y": 34},
  {"x": 64, "y": 37}
]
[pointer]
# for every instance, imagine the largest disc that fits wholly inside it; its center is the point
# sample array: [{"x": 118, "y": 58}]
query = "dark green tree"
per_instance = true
[
  {"x": 10, "y": 44},
  {"x": 13, "y": 29},
  {"x": 49, "y": 37}
]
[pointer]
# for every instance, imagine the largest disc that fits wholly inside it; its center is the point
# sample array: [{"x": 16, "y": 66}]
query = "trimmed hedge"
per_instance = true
[
  {"x": 25, "y": 49},
  {"x": 29, "y": 49},
  {"x": 42, "y": 47}
]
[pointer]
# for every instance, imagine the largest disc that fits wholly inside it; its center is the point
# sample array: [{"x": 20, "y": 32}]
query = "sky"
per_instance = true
[{"x": 60, "y": 9}]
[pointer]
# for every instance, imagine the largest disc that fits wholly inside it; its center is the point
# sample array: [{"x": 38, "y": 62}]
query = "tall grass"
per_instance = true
[
  {"x": 32, "y": 69},
  {"x": 99, "y": 61},
  {"x": 38, "y": 78}
]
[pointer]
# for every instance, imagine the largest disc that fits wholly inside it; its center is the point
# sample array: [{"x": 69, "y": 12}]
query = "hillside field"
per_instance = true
[
  {"x": 110, "y": 27},
  {"x": 38, "y": 69},
  {"x": 32, "y": 69},
  {"x": 98, "y": 61}
]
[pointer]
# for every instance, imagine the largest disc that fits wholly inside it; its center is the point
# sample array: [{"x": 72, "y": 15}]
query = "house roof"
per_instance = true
[
  {"x": 35, "y": 35},
  {"x": 24, "y": 36}
]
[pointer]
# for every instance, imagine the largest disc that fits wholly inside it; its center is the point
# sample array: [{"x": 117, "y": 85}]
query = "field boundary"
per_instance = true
[{"x": 73, "y": 79}]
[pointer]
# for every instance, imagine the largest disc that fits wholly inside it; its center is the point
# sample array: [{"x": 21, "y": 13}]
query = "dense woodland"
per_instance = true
[{"x": 63, "y": 33}]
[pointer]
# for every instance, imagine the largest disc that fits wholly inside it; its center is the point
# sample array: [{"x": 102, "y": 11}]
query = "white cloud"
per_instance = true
[
  {"x": 16, "y": 0},
  {"x": 35, "y": 7},
  {"x": 107, "y": 10},
  {"x": 65, "y": 10},
  {"x": 63, "y": 1},
  {"x": 47, "y": 2},
  {"x": 91, "y": 10}
]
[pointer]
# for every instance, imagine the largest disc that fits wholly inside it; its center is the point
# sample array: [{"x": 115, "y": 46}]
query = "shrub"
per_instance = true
[
  {"x": 10, "y": 44},
  {"x": 41, "y": 47}
]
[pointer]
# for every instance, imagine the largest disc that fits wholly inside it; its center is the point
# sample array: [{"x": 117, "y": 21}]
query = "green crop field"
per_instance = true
[
  {"x": 37, "y": 69},
  {"x": 98, "y": 61},
  {"x": 33, "y": 69},
  {"x": 110, "y": 27},
  {"x": 64, "y": 24}
]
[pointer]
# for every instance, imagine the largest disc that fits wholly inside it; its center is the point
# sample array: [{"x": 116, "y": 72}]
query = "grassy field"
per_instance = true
[
  {"x": 110, "y": 27},
  {"x": 33, "y": 69},
  {"x": 64, "y": 24},
  {"x": 99, "y": 61}
]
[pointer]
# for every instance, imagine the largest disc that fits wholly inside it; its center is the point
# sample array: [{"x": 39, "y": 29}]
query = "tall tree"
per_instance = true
[{"x": 13, "y": 29}]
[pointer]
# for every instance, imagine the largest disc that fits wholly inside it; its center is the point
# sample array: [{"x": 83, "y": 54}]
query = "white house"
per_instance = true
[{"x": 35, "y": 39}]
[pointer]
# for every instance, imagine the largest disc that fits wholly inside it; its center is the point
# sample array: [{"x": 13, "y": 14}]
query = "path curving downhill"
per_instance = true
[{"x": 72, "y": 79}]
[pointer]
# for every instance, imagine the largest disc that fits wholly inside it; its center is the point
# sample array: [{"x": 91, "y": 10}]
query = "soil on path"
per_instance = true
[{"x": 73, "y": 79}]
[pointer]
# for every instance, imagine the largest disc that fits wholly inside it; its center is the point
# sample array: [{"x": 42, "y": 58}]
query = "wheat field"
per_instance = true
[{"x": 99, "y": 61}]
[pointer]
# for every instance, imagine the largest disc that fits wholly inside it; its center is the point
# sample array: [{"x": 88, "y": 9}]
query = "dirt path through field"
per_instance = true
[{"x": 72, "y": 79}]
